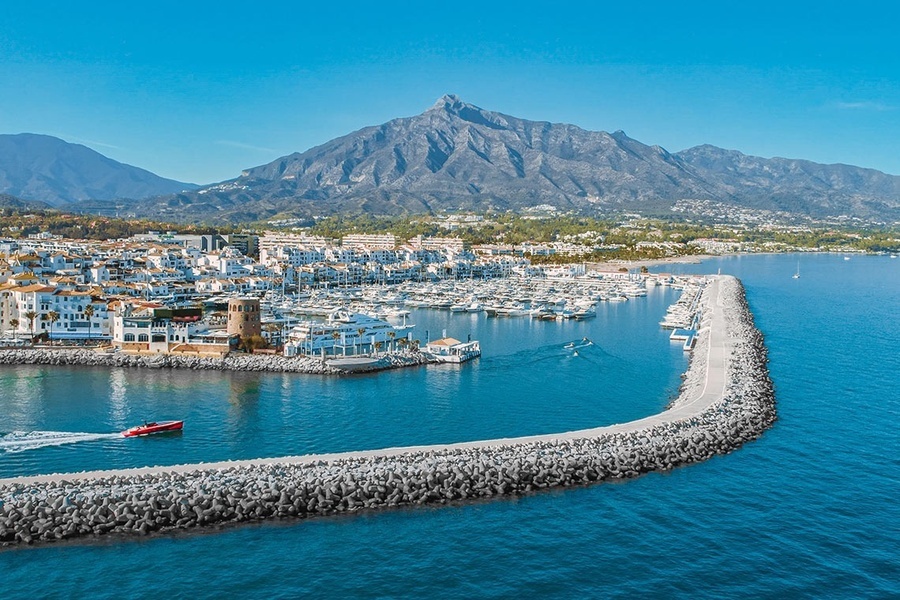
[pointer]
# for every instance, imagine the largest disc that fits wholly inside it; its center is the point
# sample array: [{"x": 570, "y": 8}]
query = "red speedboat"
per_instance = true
[{"x": 153, "y": 427}]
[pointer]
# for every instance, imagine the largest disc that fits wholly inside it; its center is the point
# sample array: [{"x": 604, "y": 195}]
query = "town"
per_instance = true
[
  {"x": 299, "y": 292},
  {"x": 204, "y": 295}
]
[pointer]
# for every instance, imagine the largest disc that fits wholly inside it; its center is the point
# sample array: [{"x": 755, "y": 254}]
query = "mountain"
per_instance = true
[
  {"x": 48, "y": 169},
  {"x": 796, "y": 186},
  {"x": 456, "y": 156}
]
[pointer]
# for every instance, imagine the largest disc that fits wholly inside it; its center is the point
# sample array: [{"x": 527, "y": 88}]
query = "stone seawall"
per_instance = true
[
  {"x": 727, "y": 399},
  {"x": 232, "y": 362}
]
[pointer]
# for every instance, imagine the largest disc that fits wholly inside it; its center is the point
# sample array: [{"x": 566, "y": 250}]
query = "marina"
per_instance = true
[
  {"x": 727, "y": 392},
  {"x": 617, "y": 530}
]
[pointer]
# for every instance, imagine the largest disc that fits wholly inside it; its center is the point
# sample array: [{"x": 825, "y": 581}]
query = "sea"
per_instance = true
[{"x": 809, "y": 510}]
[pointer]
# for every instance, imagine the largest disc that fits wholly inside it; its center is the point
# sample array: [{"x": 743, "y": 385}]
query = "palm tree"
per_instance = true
[
  {"x": 53, "y": 317},
  {"x": 335, "y": 336},
  {"x": 31, "y": 315},
  {"x": 89, "y": 312},
  {"x": 14, "y": 323},
  {"x": 360, "y": 333},
  {"x": 377, "y": 347},
  {"x": 392, "y": 335}
]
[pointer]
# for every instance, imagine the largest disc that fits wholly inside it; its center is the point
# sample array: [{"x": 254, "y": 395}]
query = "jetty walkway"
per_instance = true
[{"x": 726, "y": 400}]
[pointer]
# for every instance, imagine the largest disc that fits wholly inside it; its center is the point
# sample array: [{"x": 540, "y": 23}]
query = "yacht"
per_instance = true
[{"x": 344, "y": 331}]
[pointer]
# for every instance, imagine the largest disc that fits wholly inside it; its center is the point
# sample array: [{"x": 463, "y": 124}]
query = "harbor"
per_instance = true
[
  {"x": 626, "y": 375},
  {"x": 317, "y": 331},
  {"x": 725, "y": 401}
]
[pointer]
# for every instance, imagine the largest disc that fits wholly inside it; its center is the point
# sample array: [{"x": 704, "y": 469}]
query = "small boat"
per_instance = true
[{"x": 153, "y": 427}]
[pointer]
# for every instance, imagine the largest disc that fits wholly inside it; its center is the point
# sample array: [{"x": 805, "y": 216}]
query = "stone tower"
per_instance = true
[{"x": 243, "y": 317}]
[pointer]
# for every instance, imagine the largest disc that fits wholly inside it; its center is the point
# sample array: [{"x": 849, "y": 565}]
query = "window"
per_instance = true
[
  {"x": 129, "y": 337},
  {"x": 143, "y": 337}
]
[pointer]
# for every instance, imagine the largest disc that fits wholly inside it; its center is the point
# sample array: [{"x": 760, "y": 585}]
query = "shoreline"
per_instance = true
[
  {"x": 232, "y": 362},
  {"x": 726, "y": 400},
  {"x": 690, "y": 259}
]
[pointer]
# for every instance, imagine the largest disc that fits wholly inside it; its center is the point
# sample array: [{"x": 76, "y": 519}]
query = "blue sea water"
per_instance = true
[{"x": 808, "y": 510}]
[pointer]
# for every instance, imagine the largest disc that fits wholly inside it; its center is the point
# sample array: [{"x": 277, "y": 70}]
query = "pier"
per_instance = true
[{"x": 726, "y": 400}]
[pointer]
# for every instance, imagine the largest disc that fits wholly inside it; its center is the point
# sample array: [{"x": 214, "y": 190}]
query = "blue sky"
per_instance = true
[{"x": 197, "y": 91}]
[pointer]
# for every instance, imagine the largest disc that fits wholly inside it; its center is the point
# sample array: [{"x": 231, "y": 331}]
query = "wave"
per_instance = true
[{"x": 20, "y": 441}]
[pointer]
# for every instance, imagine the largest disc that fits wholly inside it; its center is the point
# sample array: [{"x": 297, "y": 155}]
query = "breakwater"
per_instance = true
[
  {"x": 725, "y": 401},
  {"x": 231, "y": 362}
]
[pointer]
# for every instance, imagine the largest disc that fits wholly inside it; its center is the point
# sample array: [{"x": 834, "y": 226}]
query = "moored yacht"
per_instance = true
[{"x": 345, "y": 331}]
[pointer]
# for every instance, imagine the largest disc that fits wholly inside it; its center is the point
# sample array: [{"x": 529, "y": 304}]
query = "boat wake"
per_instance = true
[
  {"x": 20, "y": 441},
  {"x": 582, "y": 343}
]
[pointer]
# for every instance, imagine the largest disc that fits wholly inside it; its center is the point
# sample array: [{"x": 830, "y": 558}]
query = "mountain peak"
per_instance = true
[
  {"x": 448, "y": 101},
  {"x": 452, "y": 105}
]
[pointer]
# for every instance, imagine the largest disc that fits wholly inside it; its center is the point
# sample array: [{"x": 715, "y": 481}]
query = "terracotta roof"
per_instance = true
[{"x": 34, "y": 287}]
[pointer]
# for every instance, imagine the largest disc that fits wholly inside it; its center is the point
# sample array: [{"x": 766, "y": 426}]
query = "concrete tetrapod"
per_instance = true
[{"x": 726, "y": 400}]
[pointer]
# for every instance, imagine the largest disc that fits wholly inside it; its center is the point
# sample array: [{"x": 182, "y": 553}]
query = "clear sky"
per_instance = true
[{"x": 197, "y": 90}]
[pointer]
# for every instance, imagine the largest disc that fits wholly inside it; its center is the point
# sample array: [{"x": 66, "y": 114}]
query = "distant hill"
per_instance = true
[
  {"x": 7, "y": 201},
  {"x": 48, "y": 169},
  {"x": 456, "y": 156}
]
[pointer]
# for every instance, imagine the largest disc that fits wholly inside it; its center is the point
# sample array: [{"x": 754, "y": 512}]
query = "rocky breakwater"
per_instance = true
[
  {"x": 231, "y": 362},
  {"x": 727, "y": 400}
]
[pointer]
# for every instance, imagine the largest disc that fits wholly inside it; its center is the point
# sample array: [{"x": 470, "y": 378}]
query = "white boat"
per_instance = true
[
  {"x": 356, "y": 363},
  {"x": 344, "y": 330},
  {"x": 797, "y": 274},
  {"x": 449, "y": 350}
]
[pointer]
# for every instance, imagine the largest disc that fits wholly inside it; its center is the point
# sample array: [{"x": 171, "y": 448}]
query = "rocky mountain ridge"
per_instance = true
[{"x": 456, "y": 156}]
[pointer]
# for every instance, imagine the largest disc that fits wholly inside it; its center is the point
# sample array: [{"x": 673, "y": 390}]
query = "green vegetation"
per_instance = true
[
  {"x": 627, "y": 238},
  {"x": 402, "y": 227},
  {"x": 20, "y": 223},
  {"x": 616, "y": 239}
]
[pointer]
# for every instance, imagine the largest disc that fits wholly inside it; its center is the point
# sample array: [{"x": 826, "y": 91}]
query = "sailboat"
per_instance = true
[{"x": 797, "y": 274}]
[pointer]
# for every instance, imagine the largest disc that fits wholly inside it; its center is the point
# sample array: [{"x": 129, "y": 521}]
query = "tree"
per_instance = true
[
  {"x": 251, "y": 343},
  {"x": 336, "y": 336},
  {"x": 360, "y": 333},
  {"x": 89, "y": 312},
  {"x": 53, "y": 317},
  {"x": 392, "y": 335},
  {"x": 14, "y": 323},
  {"x": 31, "y": 315}
]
